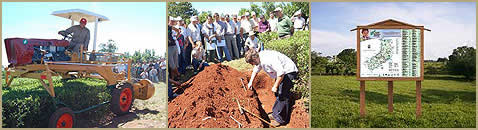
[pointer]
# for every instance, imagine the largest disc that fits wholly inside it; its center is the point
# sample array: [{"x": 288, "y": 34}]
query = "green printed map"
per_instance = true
[{"x": 391, "y": 53}]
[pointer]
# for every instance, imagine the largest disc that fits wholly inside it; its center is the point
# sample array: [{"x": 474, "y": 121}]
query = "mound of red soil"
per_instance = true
[
  {"x": 299, "y": 117},
  {"x": 208, "y": 101}
]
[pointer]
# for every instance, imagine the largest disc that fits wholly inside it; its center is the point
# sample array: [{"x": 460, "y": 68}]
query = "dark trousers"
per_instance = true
[
  {"x": 170, "y": 91},
  {"x": 182, "y": 62},
  {"x": 211, "y": 55},
  {"x": 243, "y": 43},
  {"x": 281, "y": 109},
  {"x": 187, "y": 56},
  {"x": 196, "y": 64}
]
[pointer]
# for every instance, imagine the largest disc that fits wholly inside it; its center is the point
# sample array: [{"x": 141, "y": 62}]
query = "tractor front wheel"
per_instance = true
[
  {"x": 62, "y": 118},
  {"x": 122, "y": 98}
]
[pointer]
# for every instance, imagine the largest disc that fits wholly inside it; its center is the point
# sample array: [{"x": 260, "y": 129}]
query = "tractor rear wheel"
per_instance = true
[
  {"x": 62, "y": 118},
  {"x": 122, "y": 98}
]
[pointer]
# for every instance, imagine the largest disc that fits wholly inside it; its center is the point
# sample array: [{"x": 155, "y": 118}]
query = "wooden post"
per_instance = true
[
  {"x": 362, "y": 99},
  {"x": 390, "y": 96},
  {"x": 419, "y": 98}
]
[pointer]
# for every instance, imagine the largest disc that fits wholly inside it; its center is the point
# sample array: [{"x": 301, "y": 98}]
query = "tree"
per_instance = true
[
  {"x": 349, "y": 59},
  {"x": 110, "y": 46},
  {"x": 319, "y": 63},
  {"x": 444, "y": 59},
  {"x": 243, "y": 11},
  {"x": 268, "y": 7},
  {"x": 290, "y": 8},
  {"x": 463, "y": 62},
  {"x": 183, "y": 9},
  {"x": 256, "y": 8},
  {"x": 203, "y": 16}
]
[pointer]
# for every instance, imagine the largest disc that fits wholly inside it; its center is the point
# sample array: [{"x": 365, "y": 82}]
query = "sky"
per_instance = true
[
  {"x": 133, "y": 25},
  {"x": 222, "y": 7},
  {"x": 451, "y": 24}
]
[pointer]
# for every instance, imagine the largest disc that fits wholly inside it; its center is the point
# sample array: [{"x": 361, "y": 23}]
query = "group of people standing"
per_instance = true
[
  {"x": 155, "y": 71},
  {"x": 228, "y": 37},
  {"x": 223, "y": 37}
]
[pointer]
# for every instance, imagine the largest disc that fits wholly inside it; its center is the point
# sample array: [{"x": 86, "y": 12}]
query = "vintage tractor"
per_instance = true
[{"x": 43, "y": 58}]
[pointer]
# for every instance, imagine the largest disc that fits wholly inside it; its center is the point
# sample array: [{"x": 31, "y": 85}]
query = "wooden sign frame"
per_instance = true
[{"x": 392, "y": 24}]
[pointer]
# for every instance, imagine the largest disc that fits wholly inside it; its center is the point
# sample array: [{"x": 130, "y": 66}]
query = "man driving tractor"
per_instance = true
[{"x": 80, "y": 36}]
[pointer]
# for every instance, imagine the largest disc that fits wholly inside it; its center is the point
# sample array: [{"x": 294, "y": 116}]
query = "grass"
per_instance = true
[
  {"x": 447, "y": 101},
  {"x": 239, "y": 64}
]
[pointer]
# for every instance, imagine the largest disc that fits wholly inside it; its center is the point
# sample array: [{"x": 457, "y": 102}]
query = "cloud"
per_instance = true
[{"x": 331, "y": 43}]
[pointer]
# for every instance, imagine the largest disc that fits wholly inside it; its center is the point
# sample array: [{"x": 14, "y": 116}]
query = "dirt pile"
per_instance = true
[{"x": 208, "y": 100}]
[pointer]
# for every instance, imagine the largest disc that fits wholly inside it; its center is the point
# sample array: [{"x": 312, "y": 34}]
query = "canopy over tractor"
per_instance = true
[{"x": 77, "y": 14}]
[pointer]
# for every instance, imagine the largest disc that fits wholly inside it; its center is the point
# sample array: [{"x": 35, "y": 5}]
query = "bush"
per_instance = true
[
  {"x": 435, "y": 68},
  {"x": 463, "y": 62},
  {"x": 297, "y": 48},
  {"x": 27, "y": 104}
]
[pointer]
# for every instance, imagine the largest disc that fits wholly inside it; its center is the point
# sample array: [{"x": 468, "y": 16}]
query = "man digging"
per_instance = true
[{"x": 283, "y": 70}]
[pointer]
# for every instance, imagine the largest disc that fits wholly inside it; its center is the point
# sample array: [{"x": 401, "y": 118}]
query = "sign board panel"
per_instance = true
[{"x": 390, "y": 53}]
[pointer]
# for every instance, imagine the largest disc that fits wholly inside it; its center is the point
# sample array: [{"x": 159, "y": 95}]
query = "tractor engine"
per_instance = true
[{"x": 21, "y": 51}]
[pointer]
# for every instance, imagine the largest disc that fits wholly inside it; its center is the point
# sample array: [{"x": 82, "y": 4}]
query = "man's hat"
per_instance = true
[
  {"x": 251, "y": 33},
  {"x": 297, "y": 12},
  {"x": 179, "y": 18},
  {"x": 171, "y": 18},
  {"x": 247, "y": 14},
  {"x": 278, "y": 9},
  {"x": 194, "y": 18},
  {"x": 83, "y": 21}
]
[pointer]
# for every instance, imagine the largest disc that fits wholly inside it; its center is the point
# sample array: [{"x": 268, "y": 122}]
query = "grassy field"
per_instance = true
[{"x": 447, "y": 101}]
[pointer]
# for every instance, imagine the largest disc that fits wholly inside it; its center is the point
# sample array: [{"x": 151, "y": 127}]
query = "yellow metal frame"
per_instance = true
[{"x": 83, "y": 67}]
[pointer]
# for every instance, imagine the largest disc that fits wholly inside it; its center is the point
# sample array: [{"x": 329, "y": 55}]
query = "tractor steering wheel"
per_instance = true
[{"x": 66, "y": 35}]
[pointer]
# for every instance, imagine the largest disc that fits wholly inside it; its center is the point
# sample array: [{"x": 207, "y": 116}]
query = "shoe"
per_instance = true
[
  {"x": 270, "y": 116},
  {"x": 275, "y": 123}
]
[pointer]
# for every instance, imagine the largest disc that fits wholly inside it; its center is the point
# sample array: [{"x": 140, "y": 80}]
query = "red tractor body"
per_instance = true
[{"x": 21, "y": 51}]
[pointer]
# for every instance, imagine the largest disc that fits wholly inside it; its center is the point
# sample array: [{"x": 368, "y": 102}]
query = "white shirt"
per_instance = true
[
  {"x": 231, "y": 27},
  {"x": 175, "y": 34},
  {"x": 298, "y": 22},
  {"x": 145, "y": 66},
  {"x": 275, "y": 64},
  {"x": 254, "y": 43},
  {"x": 198, "y": 53},
  {"x": 220, "y": 28},
  {"x": 273, "y": 24},
  {"x": 221, "y": 43},
  {"x": 208, "y": 29},
  {"x": 195, "y": 33},
  {"x": 247, "y": 26},
  {"x": 184, "y": 31},
  {"x": 163, "y": 65},
  {"x": 256, "y": 22},
  {"x": 144, "y": 75},
  {"x": 153, "y": 72},
  {"x": 238, "y": 26}
]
